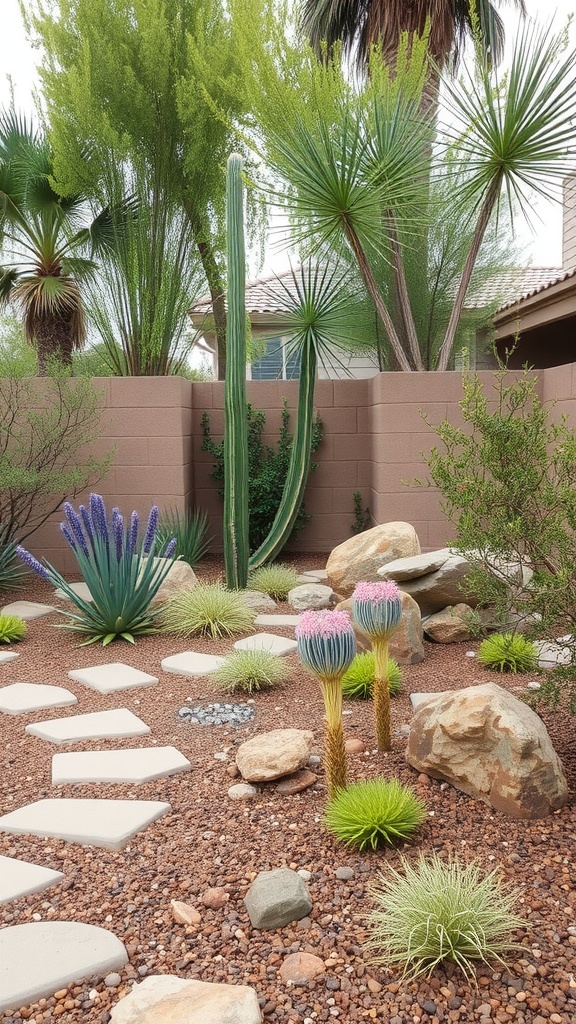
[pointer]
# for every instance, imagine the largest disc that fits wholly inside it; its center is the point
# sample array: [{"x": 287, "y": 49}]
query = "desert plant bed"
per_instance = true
[{"x": 209, "y": 841}]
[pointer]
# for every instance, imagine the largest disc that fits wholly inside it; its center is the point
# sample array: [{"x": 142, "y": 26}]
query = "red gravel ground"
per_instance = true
[{"x": 209, "y": 840}]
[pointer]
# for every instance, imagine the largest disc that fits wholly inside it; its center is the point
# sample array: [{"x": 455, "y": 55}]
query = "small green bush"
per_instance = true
[
  {"x": 358, "y": 682},
  {"x": 189, "y": 529},
  {"x": 250, "y": 672},
  {"x": 207, "y": 610},
  {"x": 276, "y": 580},
  {"x": 373, "y": 812},
  {"x": 508, "y": 652},
  {"x": 11, "y": 629},
  {"x": 438, "y": 911}
]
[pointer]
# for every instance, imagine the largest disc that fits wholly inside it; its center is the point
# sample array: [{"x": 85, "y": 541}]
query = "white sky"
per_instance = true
[{"x": 18, "y": 63}]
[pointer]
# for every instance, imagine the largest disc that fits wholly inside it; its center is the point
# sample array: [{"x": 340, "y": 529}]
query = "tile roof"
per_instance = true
[{"x": 533, "y": 285}]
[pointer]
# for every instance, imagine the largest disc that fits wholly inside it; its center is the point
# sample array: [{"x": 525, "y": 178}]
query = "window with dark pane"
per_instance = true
[{"x": 271, "y": 365}]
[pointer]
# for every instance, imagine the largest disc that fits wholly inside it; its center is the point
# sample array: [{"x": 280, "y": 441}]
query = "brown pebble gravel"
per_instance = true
[{"x": 210, "y": 842}]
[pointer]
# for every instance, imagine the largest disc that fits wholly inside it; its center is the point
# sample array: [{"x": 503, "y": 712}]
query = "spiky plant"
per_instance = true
[
  {"x": 11, "y": 629},
  {"x": 326, "y": 646},
  {"x": 358, "y": 681},
  {"x": 276, "y": 580},
  {"x": 374, "y": 812},
  {"x": 508, "y": 652},
  {"x": 189, "y": 529},
  {"x": 207, "y": 610},
  {"x": 441, "y": 911},
  {"x": 377, "y": 610},
  {"x": 250, "y": 672}
]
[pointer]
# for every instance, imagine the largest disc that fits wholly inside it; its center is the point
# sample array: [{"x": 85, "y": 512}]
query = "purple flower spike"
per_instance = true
[
  {"x": 75, "y": 528},
  {"x": 33, "y": 563},
  {"x": 118, "y": 533},
  {"x": 98, "y": 513},
  {"x": 151, "y": 529},
  {"x": 68, "y": 536},
  {"x": 170, "y": 548},
  {"x": 133, "y": 533},
  {"x": 85, "y": 515}
]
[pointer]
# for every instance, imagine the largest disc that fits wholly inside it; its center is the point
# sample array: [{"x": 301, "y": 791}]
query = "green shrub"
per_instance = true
[
  {"x": 362, "y": 517},
  {"x": 267, "y": 468},
  {"x": 508, "y": 652},
  {"x": 11, "y": 629},
  {"x": 250, "y": 672},
  {"x": 358, "y": 681},
  {"x": 439, "y": 911},
  {"x": 207, "y": 610},
  {"x": 373, "y": 812},
  {"x": 276, "y": 580},
  {"x": 189, "y": 529}
]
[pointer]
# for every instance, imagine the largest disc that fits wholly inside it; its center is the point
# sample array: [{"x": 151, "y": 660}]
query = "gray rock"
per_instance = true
[
  {"x": 242, "y": 791},
  {"x": 441, "y": 588},
  {"x": 412, "y": 568},
  {"x": 258, "y": 601},
  {"x": 311, "y": 595},
  {"x": 344, "y": 874},
  {"x": 112, "y": 980},
  {"x": 276, "y": 898}
]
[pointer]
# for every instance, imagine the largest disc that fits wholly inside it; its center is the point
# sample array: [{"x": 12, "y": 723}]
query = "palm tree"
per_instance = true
[
  {"x": 45, "y": 246},
  {"x": 360, "y": 25}
]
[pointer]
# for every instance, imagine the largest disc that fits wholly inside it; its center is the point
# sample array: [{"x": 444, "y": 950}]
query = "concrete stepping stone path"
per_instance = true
[
  {"x": 112, "y": 677},
  {"x": 315, "y": 574},
  {"x": 36, "y": 960},
  {"x": 21, "y": 698},
  {"x": 81, "y": 589},
  {"x": 136, "y": 766},
  {"x": 6, "y": 656},
  {"x": 97, "y": 725},
  {"x": 28, "y": 610},
  {"x": 266, "y": 642},
  {"x": 19, "y": 878},
  {"x": 191, "y": 663},
  {"x": 106, "y": 823},
  {"x": 276, "y": 620}
]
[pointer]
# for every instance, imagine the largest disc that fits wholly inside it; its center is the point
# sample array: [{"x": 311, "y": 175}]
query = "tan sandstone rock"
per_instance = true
[
  {"x": 360, "y": 557},
  {"x": 271, "y": 755},
  {"x": 170, "y": 1000},
  {"x": 183, "y": 913},
  {"x": 449, "y": 626},
  {"x": 180, "y": 577},
  {"x": 406, "y": 643},
  {"x": 300, "y": 968},
  {"x": 490, "y": 745}
]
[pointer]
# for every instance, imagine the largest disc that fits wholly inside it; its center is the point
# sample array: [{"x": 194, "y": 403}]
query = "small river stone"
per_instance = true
[{"x": 242, "y": 791}]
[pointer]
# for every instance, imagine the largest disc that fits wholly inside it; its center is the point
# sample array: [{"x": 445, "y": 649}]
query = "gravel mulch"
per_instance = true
[{"x": 211, "y": 841}]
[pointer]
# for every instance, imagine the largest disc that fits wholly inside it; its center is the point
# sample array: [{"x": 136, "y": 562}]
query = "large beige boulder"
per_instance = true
[
  {"x": 360, "y": 557},
  {"x": 271, "y": 755},
  {"x": 406, "y": 643},
  {"x": 167, "y": 999},
  {"x": 491, "y": 745},
  {"x": 181, "y": 576},
  {"x": 450, "y": 626}
]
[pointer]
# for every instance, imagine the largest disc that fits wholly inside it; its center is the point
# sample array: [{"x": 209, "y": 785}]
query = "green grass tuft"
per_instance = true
[
  {"x": 508, "y": 652},
  {"x": 250, "y": 672},
  {"x": 189, "y": 529},
  {"x": 207, "y": 610},
  {"x": 441, "y": 911},
  {"x": 358, "y": 681},
  {"x": 11, "y": 629},
  {"x": 373, "y": 812},
  {"x": 276, "y": 580}
]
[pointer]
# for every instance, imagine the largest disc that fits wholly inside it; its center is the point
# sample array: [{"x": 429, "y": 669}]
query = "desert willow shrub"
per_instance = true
[
  {"x": 326, "y": 646},
  {"x": 121, "y": 572},
  {"x": 377, "y": 610}
]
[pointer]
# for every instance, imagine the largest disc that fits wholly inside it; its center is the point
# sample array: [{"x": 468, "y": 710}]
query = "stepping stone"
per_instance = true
[
  {"x": 315, "y": 574},
  {"x": 6, "y": 656},
  {"x": 36, "y": 960},
  {"x": 18, "y": 878},
  {"x": 276, "y": 620},
  {"x": 112, "y": 677},
  {"x": 27, "y": 610},
  {"x": 106, "y": 823},
  {"x": 81, "y": 589},
  {"x": 190, "y": 663},
  {"x": 136, "y": 766},
  {"x": 266, "y": 642},
  {"x": 20, "y": 698},
  {"x": 98, "y": 725}
]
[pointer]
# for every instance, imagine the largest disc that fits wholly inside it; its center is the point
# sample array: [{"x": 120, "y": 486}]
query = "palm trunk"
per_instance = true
[{"x": 404, "y": 307}]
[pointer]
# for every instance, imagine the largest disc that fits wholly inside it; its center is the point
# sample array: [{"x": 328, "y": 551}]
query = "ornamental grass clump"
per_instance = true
[
  {"x": 373, "y": 813},
  {"x": 250, "y": 672},
  {"x": 508, "y": 652},
  {"x": 441, "y": 911},
  {"x": 276, "y": 580},
  {"x": 377, "y": 610},
  {"x": 326, "y": 646},
  {"x": 208, "y": 610},
  {"x": 358, "y": 681},
  {"x": 12, "y": 629},
  {"x": 190, "y": 530},
  {"x": 121, "y": 572}
]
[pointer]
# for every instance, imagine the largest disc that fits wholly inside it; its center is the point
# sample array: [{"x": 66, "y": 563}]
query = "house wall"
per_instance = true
[
  {"x": 569, "y": 223},
  {"x": 374, "y": 433}
]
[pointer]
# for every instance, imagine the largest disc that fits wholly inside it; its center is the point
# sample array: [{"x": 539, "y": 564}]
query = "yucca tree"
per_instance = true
[{"x": 44, "y": 242}]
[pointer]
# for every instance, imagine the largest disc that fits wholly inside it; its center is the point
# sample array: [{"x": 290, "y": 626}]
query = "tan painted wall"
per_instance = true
[{"x": 374, "y": 432}]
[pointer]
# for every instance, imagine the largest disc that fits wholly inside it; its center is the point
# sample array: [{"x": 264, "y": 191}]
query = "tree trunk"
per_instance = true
[
  {"x": 53, "y": 342},
  {"x": 215, "y": 281}
]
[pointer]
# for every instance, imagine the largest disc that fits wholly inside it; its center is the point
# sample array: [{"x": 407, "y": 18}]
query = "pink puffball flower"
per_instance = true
[
  {"x": 326, "y": 643},
  {"x": 377, "y": 607}
]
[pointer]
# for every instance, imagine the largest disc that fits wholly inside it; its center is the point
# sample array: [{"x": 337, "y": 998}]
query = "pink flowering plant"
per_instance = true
[
  {"x": 377, "y": 610},
  {"x": 120, "y": 570},
  {"x": 326, "y": 646}
]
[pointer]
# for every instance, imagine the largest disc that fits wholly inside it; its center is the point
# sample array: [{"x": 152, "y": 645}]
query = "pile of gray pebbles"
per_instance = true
[{"x": 217, "y": 714}]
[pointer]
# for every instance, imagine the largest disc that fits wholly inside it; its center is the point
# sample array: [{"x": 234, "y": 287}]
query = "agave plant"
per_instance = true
[
  {"x": 326, "y": 646},
  {"x": 121, "y": 573},
  {"x": 377, "y": 609},
  {"x": 11, "y": 629}
]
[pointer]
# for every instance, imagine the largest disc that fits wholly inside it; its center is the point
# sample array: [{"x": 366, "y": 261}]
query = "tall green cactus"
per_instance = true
[{"x": 236, "y": 546}]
